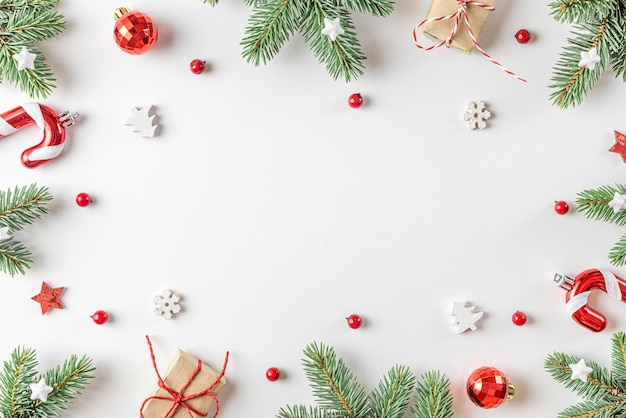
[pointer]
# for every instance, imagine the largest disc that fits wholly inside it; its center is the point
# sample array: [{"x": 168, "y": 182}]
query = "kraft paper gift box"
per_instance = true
[
  {"x": 440, "y": 30},
  {"x": 177, "y": 375}
]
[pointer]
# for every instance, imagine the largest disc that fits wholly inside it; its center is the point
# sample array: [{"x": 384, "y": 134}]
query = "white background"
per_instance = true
[{"x": 276, "y": 210}]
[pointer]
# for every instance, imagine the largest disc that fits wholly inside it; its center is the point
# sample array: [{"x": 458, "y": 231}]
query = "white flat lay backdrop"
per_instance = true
[{"x": 276, "y": 210}]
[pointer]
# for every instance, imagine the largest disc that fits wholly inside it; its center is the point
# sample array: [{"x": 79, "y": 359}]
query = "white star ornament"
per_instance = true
[
  {"x": 332, "y": 28},
  {"x": 580, "y": 370},
  {"x": 40, "y": 390},
  {"x": 589, "y": 59},
  {"x": 25, "y": 59}
]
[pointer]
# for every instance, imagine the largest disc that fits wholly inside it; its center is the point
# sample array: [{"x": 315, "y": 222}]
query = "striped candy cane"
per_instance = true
[
  {"x": 51, "y": 125},
  {"x": 461, "y": 13},
  {"x": 578, "y": 290}
]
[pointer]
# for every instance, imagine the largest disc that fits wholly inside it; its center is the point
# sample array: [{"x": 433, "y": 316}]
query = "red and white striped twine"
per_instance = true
[{"x": 461, "y": 13}]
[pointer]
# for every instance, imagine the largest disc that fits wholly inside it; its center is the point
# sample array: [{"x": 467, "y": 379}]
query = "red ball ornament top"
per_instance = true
[
  {"x": 487, "y": 387},
  {"x": 134, "y": 32}
]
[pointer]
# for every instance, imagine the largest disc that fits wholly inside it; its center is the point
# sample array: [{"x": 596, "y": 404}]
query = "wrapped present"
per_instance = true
[
  {"x": 440, "y": 29},
  {"x": 188, "y": 390}
]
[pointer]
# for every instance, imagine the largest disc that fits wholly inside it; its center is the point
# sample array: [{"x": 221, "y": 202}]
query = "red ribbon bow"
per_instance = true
[
  {"x": 461, "y": 13},
  {"x": 177, "y": 398}
]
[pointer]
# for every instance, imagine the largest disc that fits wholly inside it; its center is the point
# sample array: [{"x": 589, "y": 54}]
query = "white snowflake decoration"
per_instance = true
[
  {"x": 464, "y": 317},
  {"x": 476, "y": 115},
  {"x": 166, "y": 304},
  {"x": 143, "y": 121}
]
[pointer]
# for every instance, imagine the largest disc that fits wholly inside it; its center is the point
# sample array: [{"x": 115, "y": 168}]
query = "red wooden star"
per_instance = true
[
  {"x": 620, "y": 145},
  {"x": 49, "y": 298}
]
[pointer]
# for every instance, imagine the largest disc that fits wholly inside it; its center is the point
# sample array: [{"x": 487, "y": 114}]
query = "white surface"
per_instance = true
[{"x": 276, "y": 210}]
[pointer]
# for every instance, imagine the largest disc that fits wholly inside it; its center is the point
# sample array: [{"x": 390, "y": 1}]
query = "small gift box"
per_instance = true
[
  {"x": 440, "y": 29},
  {"x": 188, "y": 390}
]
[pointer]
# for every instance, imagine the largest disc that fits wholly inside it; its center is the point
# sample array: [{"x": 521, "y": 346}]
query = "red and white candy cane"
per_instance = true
[
  {"x": 51, "y": 125},
  {"x": 461, "y": 13},
  {"x": 578, "y": 290}
]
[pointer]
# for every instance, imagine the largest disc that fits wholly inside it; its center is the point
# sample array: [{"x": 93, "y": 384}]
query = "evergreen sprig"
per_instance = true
[
  {"x": 594, "y": 204},
  {"x": 599, "y": 24},
  {"x": 273, "y": 22},
  {"x": 19, "y": 207},
  {"x": 22, "y": 24},
  {"x": 67, "y": 380},
  {"x": 339, "y": 394},
  {"x": 603, "y": 392}
]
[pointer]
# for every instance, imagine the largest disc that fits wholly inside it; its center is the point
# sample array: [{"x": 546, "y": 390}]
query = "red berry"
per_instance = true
[
  {"x": 354, "y": 321},
  {"x": 83, "y": 199},
  {"x": 272, "y": 374},
  {"x": 522, "y": 36},
  {"x": 355, "y": 100},
  {"x": 561, "y": 207},
  {"x": 100, "y": 317},
  {"x": 519, "y": 318},
  {"x": 196, "y": 66}
]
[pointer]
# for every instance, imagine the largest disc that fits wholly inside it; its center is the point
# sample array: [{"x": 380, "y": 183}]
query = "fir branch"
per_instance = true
[
  {"x": 37, "y": 82},
  {"x": 599, "y": 382},
  {"x": 67, "y": 382},
  {"x": 14, "y": 257},
  {"x": 618, "y": 357},
  {"x": 333, "y": 383},
  {"x": 270, "y": 25},
  {"x": 617, "y": 255},
  {"x": 391, "y": 398},
  {"x": 592, "y": 409},
  {"x": 571, "y": 11},
  {"x": 16, "y": 375},
  {"x": 301, "y": 411},
  {"x": 378, "y": 8},
  {"x": 32, "y": 25},
  {"x": 433, "y": 398},
  {"x": 23, "y": 205},
  {"x": 594, "y": 204},
  {"x": 572, "y": 82},
  {"x": 343, "y": 56}
]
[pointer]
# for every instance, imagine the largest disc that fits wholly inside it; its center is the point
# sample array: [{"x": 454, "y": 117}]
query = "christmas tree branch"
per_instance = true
[
  {"x": 16, "y": 375},
  {"x": 571, "y": 11},
  {"x": 300, "y": 411},
  {"x": 571, "y": 81},
  {"x": 379, "y": 8},
  {"x": 333, "y": 383},
  {"x": 599, "y": 381},
  {"x": 590, "y": 409},
  {"x": 617, "y": 255},
  {"x": 23, "y": 205},
  {"x": 391, "y": 397},
  {"x": 32, "y": 25},
  {"x": 618, "y": 357},
  {"x": 433, "y": 398},
  {"x": 594, "y": 204},
  {"x": 14, "y": 257}
]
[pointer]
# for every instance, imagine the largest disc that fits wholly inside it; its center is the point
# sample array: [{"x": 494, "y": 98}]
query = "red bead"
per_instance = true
[
  {"x": 100, "y": 317},
  {"x": 522, "y": 36},
  {"x": 518, "y": 318},
  {"x": 272, "y": 374},
  {"x": 134, "y": 32},
  {"x": 354, "y": 321},
  {"x": 355, "y": 100},
  {"x": 561, "y": 207},
  {"x": 196, "y": 66},
  {"x": 83, "y": 199},
  {"x": 487, "y": 387}
]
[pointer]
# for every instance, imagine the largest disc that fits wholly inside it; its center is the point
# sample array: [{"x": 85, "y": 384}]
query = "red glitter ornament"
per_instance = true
[
  {"x": 620, "y": 145},
  {"x": 134, "y": 32},
  {"x": 272, "y": 374},
  {"x": 49, "y": 298},
  {"x": 488, "y": 387}
]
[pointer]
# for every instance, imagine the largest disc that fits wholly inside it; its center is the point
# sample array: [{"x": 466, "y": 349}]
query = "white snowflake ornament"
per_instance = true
[
  {"x": 40, "y": 390},
  {"x": 476, "y": 115},
  {"x": 166, "y": 304},
  {"x": 143, "y": 121},
  {"x": 464, "y": 317}
]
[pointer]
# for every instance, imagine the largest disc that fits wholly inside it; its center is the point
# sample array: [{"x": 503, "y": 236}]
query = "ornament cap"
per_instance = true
[
  {"x": 511, "y": 394},
  {"x": 119, "y": 12},
  {"x": 68, "y": 119},
  {"x": 563, "y": 281}
]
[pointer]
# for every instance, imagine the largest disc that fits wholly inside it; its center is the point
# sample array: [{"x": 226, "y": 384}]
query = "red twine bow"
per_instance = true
[
  {"x": 461, "y": 13},
  {"x": 177, "y": 398}
]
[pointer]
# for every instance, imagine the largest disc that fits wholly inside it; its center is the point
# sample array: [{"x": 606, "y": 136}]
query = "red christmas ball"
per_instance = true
[
  {"x": 561, "y": 207},
  {"x": 519, "y": 318},
  {"x": 196, "y": 66},
  {"x": 134, "y": 32},
  {"x": 522, "y": 36},
  {"x": 354, "y": 321},
  {"x": 83, "y": 199},
  {"x": 488, "y": 387},
  {"x": 100, "y": 317},
  {"x": 272, "y": 374},
  {"x": 355, "y": 100}
]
